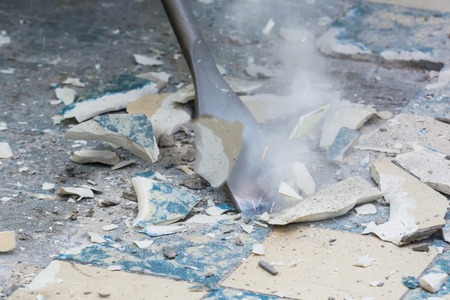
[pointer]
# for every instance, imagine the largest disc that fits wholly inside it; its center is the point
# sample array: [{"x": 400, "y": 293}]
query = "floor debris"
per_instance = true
[
  {"x": 366, "y": 209},
  {"x": 5, "y": 150},
  {"x": 416, "y": 210},
  {"x": 161, "y": 203},
  {"x": 153, "y": 230},
  {"x": 258, "y": 249},
  {"x": 344, "y": 140},
  {"x": 7, "y": 241},
  {"x": 132, "y": 132},
  {"x": 218, "y": 144},
  {"x": 432, "y": 282},
  {"x": 95, "y": 156},
  {"x": 303, "y": 179},
  {"x": 74, "y": 82},
  {"x": 308, "y": 121},
  {"x": 333, "y": 201},
  {"x": 286, "y": 190},
  {"x": 266, "y": 266},
  {"x": 364, "y": 261},
  {"x": 123, "y": 164},
  {"x": 66, "y": 95},
  {"x": 147, "y": 60},
  {"x": 113, "y": 97},
  {"x": 267, "y": 30},
  {"x": 77, "y": 191}
]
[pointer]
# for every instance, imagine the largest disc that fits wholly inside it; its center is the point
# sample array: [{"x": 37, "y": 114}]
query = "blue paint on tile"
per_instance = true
[
  {"x": 344, "y": 140},
  {"x": 410, "y": 282},
  {"x": 200, "y": 262},
  {"x": 231, "y": 294}
]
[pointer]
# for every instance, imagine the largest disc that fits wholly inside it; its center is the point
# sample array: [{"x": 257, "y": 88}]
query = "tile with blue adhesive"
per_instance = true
[
  {"x": 230, "y": 294},
  {"x": 200, "y": 258},
  {"x": 161, "y": 203},
  {"x": 132, "y": 132},
  {"x": 113, "y": 96},
  {"x": 343, "y": 141},
  {"x": 376, "y": 31}
]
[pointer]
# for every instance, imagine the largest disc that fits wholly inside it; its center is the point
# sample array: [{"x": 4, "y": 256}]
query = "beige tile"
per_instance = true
[
  {"x": 310, "y": 267},
  {"x": 439, "y": 5},
  {"x": 63, "y": 280}
]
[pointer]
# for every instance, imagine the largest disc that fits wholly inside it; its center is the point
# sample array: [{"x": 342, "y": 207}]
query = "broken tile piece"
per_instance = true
[
  {"x": 416, "y": 210},
  {"x": 345, "y": 138},
  {"x": 143, "y": 244},
  {"x": 161, "y": 203},
  {"x": 308, "y": 121},
  {"x": 80, "y": 192},
  {"x": 161, "y": 78},
  {"x": 364, "y": 261},
  {"x": 7, "y": 241},
  {"x": 218, "y": 144},
  {"x": 5, "y": 150},
  {"x": 366, "y": 209},
  {"x": 74, "y": 82},
  {"x": 66, "y": 95},
  {"x": 132, "y": 132},
  {"x": 109, "y": 227},
  {"x": 352, "y": 116},
  {"x": 114, "y": 96},
  {"x": 4, "y": 38},
  {"x": 97, "y": 238},
  {"x": 333, "y": 201},
  {"x": 3, "y": 126},
  {"x": 303, "y": 179},
  {"x": 147, "y": 60},
  {"x": 258, "y": 249},
  {"x": 432, "y": 282},
  {"x": 48, "y": 186},
  {"x": 95, "y": 156},
  {"x": 446, "y": 232},
  {"x": 154, "y": 230},
  {"x": 267, "y": 30},
  {"x": 288, "y": 191},
  {"x": 123, "y": 164},
  {"x": 430, "y": 167}
]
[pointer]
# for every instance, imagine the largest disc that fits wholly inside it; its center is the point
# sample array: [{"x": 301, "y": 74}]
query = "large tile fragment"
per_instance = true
[
  {"x": 416, "y": 210},
  {"x": 430, "y": 167},
  {"x": 7, "y": 241},
  {"x": 409, "y": 129},
  {"x": 310, "y": 268},
  {"x": 115, "y": 95},
  {"x": 333, "y": 201},
  {"x": 132, "y": 132},
  {"x": 218, "y": 144},
  {"x": 5, "y": 150},
  {"x": 161, "y": 203},
  {"x": 352, "y": 117},
  {"x": 344, "y": 140},
  {"x": 308, "y": 121},
  {"x": 64, "y": 280},
  {"x": 378, "y": 31}
]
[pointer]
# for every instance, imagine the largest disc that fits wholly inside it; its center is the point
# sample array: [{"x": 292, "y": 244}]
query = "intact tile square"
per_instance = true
[{"x": 317, "y": 264}]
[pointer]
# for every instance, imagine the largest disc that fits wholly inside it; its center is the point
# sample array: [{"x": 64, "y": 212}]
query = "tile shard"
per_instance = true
[
  {"x": 218, "y": 144},
  {"x": 161, "y": 203},
  {"x": 308, "y": 121},
  {"x": 133, "y": 132},
  {"x": 77, "y": 191},
  {"x": 7, "y": 241},
  {"x": 335, "y": 200},
  {"x": 430, "y": 167},
  {"x": 416, "y": 210},
  {"x": 345, "y": 138},
  {"x": 95, "y": 156},
  {"x": 5, "y": 150},
  {"x": 114, "y": 96},
  {"x": 66, "y": 95},
  {"x": 432, "y": 282},
  {"x": 147, "y": 60},
  {"x": 156, "y": 230}
]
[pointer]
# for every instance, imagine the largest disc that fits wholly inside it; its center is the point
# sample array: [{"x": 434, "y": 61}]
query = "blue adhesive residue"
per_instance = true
[
  {"x": 410, "y": 282},
  {"x": 137, "y": 127},
  {"x": 205, "y": 262},
  {"x": 231, "y": 294},
  {"x": 119, "y": 84}
]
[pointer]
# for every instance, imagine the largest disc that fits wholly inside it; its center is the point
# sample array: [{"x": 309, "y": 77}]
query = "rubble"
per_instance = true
[
  {"x": 7, "y": 241},
  {"x": 133, "y": 132},
  {"x": 147, "y": 60},
  {"x": 335, "y": 200},
  {"x": 267, "y": 30},
  {"x": 218, "y": 144},
  {"x": 366, "y": 209},
  {"x": 432, "y": 282},
  {"x": 286, "y": 190},
  {"x": 74, "y": 82},
  {"x": 66, "y": 95},
  {"x": 344, "y": 140},
  {"x": 308, "y": 121},
  {"x": 4, "y": 38},
  {"x": 123, "y": 164},
  {"x": 416, "y": 210},
  {"x": 5, "y": 150},
  {"x": 143, "y": 244},
  {"x": 77, "y": 191},
  {"x": 161, "y": 203},
  {"x": 352, "y": 117},
  {"x": 95, "y": 156},
  {"x": 258, "y": 249},
  {"x": 303, "y": 179},
  {"x": 114, "y": 96},
  {"x": 364, "y": 261}
]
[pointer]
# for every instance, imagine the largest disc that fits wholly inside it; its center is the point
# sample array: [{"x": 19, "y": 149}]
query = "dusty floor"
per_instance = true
[{"x": 51, "y": 41}]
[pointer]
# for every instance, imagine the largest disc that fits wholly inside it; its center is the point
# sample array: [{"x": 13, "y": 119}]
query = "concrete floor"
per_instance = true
[{"x": 51, "y": 41}]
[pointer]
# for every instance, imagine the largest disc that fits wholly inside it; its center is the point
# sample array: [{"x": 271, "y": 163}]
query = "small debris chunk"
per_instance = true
[
  {"x": 143, "y": 244},
  {"x": 303, "y": 179},
  {"x": 47, "y": 186},
  {"x": 154, "y": 230},
  {"x": 169, "y": 252},
  {"x": 95, "y": 156},
  {"x": 66, "y": 95},
  {"x": 5, "y": 150},
  {"x": 366, "y": 209},
  {"x": 80, "y": 192},
  {"x": 248, "y": 228},
  {"x": 410, "y": 282},
  {"x": 96, "y": 238},
  {"x": 421, "y": 247},
  {"x": 114, "y": 268},
  {"x": 147, "y": 60},
  {"x": 432, "y": 282},
  {"x": 109, "y": 227},
  {"x": 123, "y": 164},
  {"x": 267, "y": 267},
  {"x": 345, "y": 138},
  {"x": 7, "y": 241},
  {"x": 74, "y": 82},
  {"x": 364, "y": 261},
  {"x": 384, "y": 115},
  {"x": 308, "y": 121},
  {"x": 288, "y": 191},
  {"x": 267, "y": 30},
  {"x": 258, "y": 249},
  {"x": 108, "y": 202},
  {"x": 376, "y": 283}
]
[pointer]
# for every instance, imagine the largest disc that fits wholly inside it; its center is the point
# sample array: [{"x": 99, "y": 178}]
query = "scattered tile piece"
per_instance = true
[
  {"x": 154, "y": 230},
  {"x": 432, "y": 282},
  {"x": 258, "y": 249},
  {"x": 267, "y": 267},
  {"x": 66, "y": 95},
  {"x": 352, "y": 117},
  {"x": 416, "y": 210},
  {"x": 4, "y": 38},
  {"x": 143, "y": 244},
  {"x": 410, "y": 282},
  {"x": 335, "y": 200},
  {"x": 267, "y": 30},
  {"x": 218, "y": 144},
  {"x": 111, "y": 268},
  {"x": 430, "y": 167},
  {"x": 7, "y": 241},
  {"x": 286, "y": 190},
  {"x": 5, "y": 150},
  {"x": 215, "y": 211},
  {"x": 384, "y": 115},
  {"x": 96, "y": 238},
  {"x": 114, "y": 96},
  {"x": 308, "y": 121},
  {"x": 80, "y": 192},
  {"x": 186, "y": 169},
  {"x": 421, "y": 247},
  {"x": 366, "y": 209},
  {"x": 160, "y": 202},
  {"x": 132, "y": 132},
  {"x": 3, "y": 126},
  {"x": 108, "y": 202},
  {"x": 248, "y": 228},
  {"x": 109, "y": 227},
  {"x": 48, "y": 186},
  {"x": 123, "y": 164},
  {"x": 303, "y": 179},
  {"x": 265, "y": 217},
  {"x": 161, "y": 78},
  {"x": 446, "y": 232},
  {"x": 74, "y": 82},
  {"x": 205, "y": 219},
  {"x": 345, "y": 138},
  {"x": 376, "y": 283},
  {"x": 169, "y": 252},
  {"x": 95, "y": 156},
  {"x": 364, "y": 261},
  {"x": 147, "y": 60}
]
